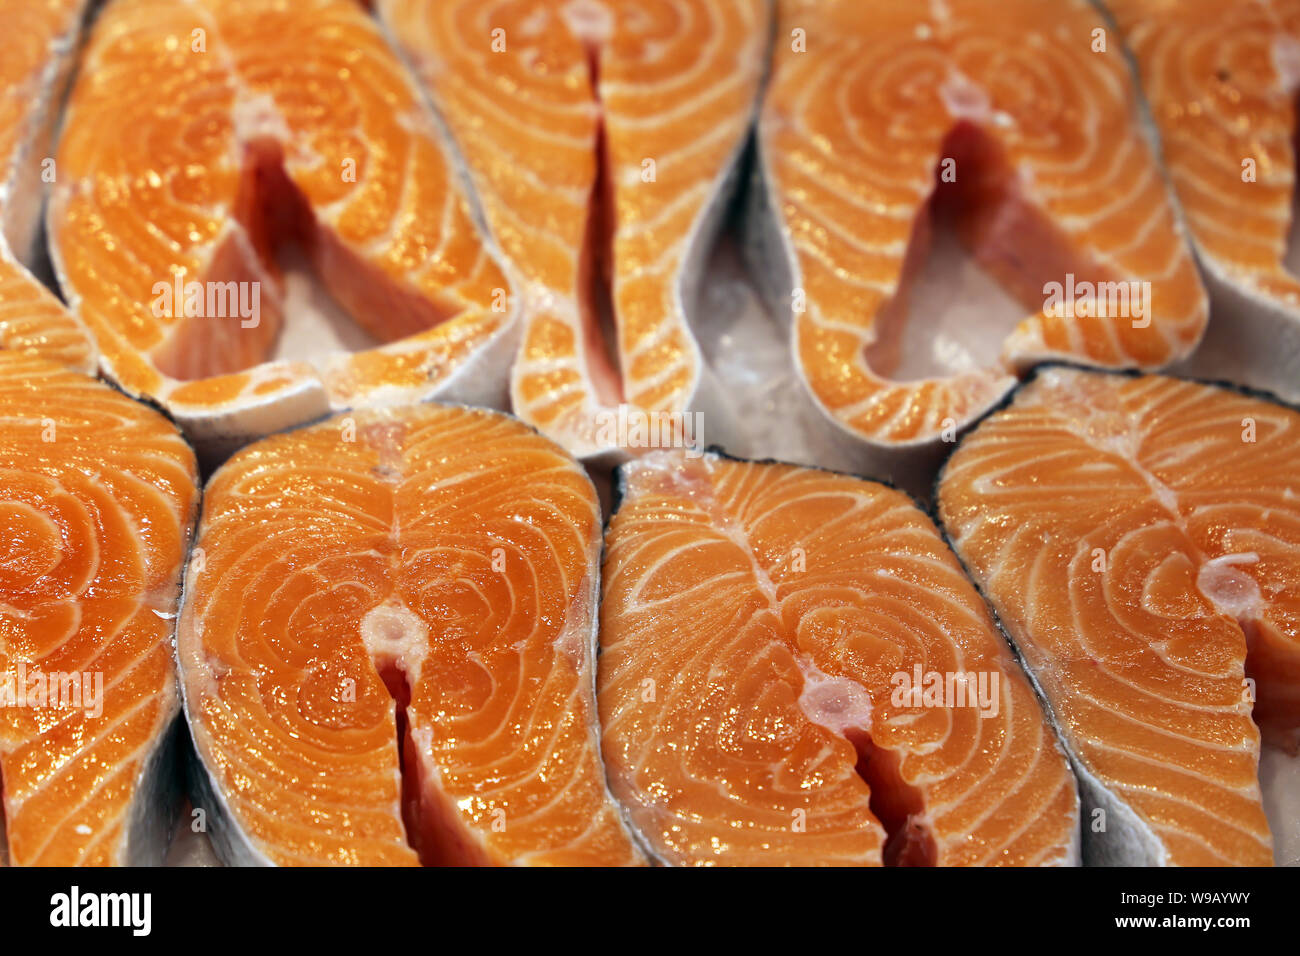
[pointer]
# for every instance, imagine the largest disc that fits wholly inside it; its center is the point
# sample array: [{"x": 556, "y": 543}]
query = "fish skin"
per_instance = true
[
  {"x": 156, "y": 809},
  {"x": 1220, "y": 80},
  {"x": 1055, "y": 412},
  {"x": 268, "y": 162},
  {"x": 228, "y": 841},
  {"x": 538, "y": 198},
  {"x": 36, "y": 57},
  {"x": 389, "y": 518},
  {"x": 717, "y": 502},
  {"x": 103, "y": 449},
  {"x": 850, "y": 290}
]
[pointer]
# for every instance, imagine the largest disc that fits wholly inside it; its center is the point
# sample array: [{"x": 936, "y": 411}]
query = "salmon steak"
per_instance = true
[
  {"x": 1222, "y": 77},
  {"x": 387, "y": 647},
  {"x": 97, "y": 501},
  {"x": 35, "y": 57},
  {"x": 1017, "y": 117},
  {"x": 269, "y": 126},
  {"x": 603, "y": 137},
  {"x": 795, "y": 670},
  {"x": 1138, "y": 537}
]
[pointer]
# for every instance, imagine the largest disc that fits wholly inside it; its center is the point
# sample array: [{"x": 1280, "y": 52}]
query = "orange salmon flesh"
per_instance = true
[
  {"x": 1222, "y": 78},
  {"x": 597, "y": 133},
  {"x": 357, "y": 359},
  {"x": 755, "y": 624},
  {"x": 1037, "y": 140},
  {"x": 97, "y": 502},
  {"x": 166, "y": 243},
  {"x": 430, "y": 570},
  {"x": 38, "y": 42},
  {"x": 1138, "y": 536}
]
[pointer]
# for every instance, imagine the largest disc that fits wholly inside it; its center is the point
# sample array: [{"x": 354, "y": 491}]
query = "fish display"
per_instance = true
[
  {"x": 795, "y": 670},
  {"x": 387, "y": 647},
  {"x": 356, "y": 366},
  {"x": 267, "y": 125},
  {"x": 1137, "y": 536},
  {"x": 1221, "y": 79},
  {"x": 97, "y": 502},
  {"x": 604, "y": 138},
  {"x": 1017, "y": 115},
  {"x": 36, "y": 53}
]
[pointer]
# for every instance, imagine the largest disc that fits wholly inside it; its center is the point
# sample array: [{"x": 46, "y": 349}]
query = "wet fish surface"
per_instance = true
[{"x": 1137, "y": 535}]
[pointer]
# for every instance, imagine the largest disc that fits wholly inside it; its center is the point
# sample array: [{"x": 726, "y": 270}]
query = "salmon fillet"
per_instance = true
[
  {"x": 1033, "y": 133},
  {"x": 603, "y": 137},
  {"x": 763, "y": 630},
  {"x": 97, "y": 501},
  {"x": 1138, "y": 537},
  {"x": 267, "y": 124},
  {"x": 1222, "y": 78},
  {"x": 35, "y": 53},
  {"x": 387, "y": 647}
]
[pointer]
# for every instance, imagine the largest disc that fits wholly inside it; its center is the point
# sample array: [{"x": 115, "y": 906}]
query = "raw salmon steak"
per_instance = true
[
  {"x": 1013, "y": 113},
  {"x": 35, "y": 53},
  {"x": 97, "y": 502},
  {"x": 1222, "y": 77},
  {"x": 265, "y": 125},
  {"x": 1139, "y": 538},
  {"x": 795, "y": 670},
  {"x": 387, "y": 647},
  {"x": 603, "y": 137}
]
